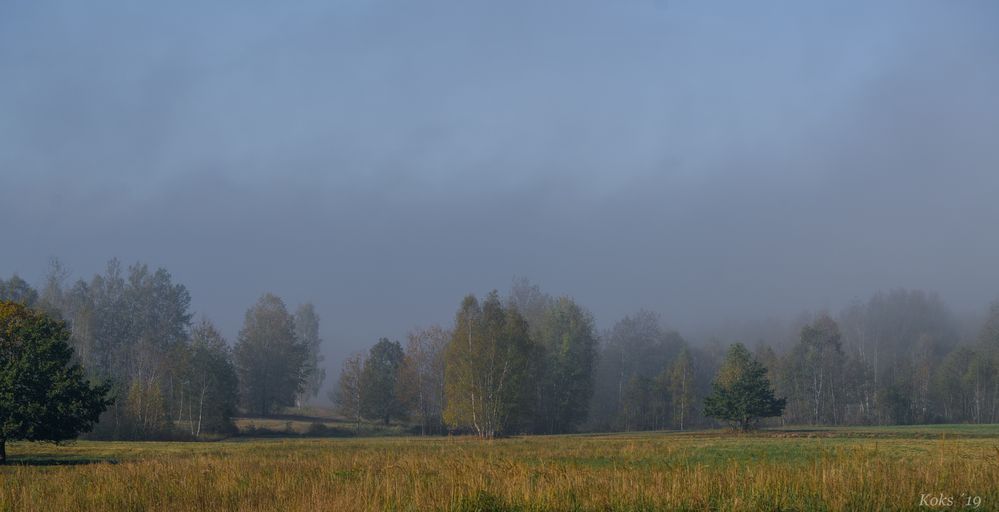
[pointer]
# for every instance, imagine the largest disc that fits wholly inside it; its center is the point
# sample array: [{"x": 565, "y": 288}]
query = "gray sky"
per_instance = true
[{"x": 708, "y": 161}]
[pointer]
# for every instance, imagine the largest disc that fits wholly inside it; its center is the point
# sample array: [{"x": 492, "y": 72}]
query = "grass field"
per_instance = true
[{"x": 827, "y": 469}]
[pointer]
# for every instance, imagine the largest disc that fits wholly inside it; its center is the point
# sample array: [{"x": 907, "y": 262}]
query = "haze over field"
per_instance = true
[{"x": 384, "y": 158}]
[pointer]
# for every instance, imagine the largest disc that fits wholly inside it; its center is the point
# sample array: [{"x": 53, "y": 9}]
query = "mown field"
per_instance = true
[{"x": 829, "y": 469}]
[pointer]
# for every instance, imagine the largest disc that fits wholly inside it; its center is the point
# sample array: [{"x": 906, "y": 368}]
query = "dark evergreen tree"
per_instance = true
[{"x": 741, "y": 392}]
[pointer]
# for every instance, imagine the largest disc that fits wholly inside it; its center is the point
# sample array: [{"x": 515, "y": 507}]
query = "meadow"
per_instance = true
[{"x": 896, "y": 468}]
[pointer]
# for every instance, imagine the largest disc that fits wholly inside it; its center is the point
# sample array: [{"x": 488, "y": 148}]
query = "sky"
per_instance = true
[{"x": 709, "y": 161}]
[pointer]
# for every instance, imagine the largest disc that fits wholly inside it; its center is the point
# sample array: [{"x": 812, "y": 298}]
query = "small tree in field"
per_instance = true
[
  {"x": 741, "y": 392},
  {"x": 42, "y": 396}
]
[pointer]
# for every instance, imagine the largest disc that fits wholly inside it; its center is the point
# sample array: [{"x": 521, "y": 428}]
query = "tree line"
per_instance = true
[
  {"x": 522, "y": 362},
  {"x": 532, "y": 363},
  {"x": 528, "y": 363},
  {"x": 168, "y": 375}
]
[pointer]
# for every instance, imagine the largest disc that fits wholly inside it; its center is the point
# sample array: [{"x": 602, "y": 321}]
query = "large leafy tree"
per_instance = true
[
  {"x": 379, "y": 399},
  {"x": 741, "y": 391},
  {"x": 43, "y": 395},
  {"x": 270, "y": 360}
]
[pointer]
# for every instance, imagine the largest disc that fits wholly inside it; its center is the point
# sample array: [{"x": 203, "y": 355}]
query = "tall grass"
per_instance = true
[{"x": 621, "y": 472}]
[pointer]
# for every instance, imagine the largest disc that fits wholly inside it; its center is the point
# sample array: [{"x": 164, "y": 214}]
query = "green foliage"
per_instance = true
[
  {"x": 741, "y": 392},
  {"x": 213, "y": 391},
  {"x": 307, "y": 330},
  {"x": 43, "y": 395},
  {"x": 636, "y": 404},
  {"x": 529, "y": 364},
  {"x": 270, "y": 360},
  {"x": 487, "y": 364},
  {"x": 378, "y": 382},
  {"x": 568, "y": 345}
]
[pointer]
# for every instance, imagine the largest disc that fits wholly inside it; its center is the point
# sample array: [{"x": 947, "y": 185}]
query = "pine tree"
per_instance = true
[{"x": 741, "y": 391}]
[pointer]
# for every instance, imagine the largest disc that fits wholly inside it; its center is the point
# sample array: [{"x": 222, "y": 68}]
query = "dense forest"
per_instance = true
[{"x": 521, "y": 362}]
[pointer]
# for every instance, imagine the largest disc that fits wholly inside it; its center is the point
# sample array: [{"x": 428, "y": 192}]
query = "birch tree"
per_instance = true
[
  {"x": 487, "y": 361},
  {"x": 820, "y": 359},
  {"x": 213, "y": 382}
]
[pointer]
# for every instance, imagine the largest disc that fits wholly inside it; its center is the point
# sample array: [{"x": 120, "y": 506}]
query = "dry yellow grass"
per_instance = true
[{"x": 703, "y": 471}]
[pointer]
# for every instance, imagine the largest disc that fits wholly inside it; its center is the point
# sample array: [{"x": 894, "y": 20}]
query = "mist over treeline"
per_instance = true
[
  {"x": 520, "y": 361},
  {"x": 328, "y": 181},
  {"x": 383, "y": 157}
]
